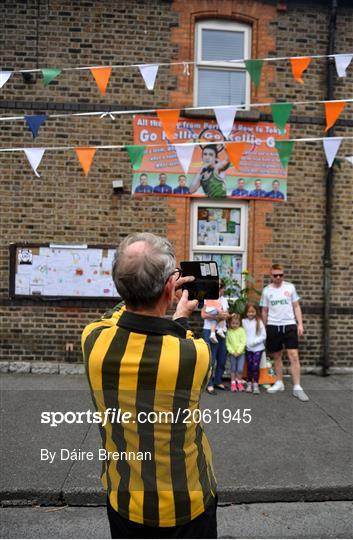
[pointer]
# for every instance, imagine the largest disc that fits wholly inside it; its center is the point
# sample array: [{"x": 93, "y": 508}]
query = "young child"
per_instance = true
[
  {"x": 213, "y": 307},
  {"x": 255, "y": 345},
  {"x": 236, "y": 343}
]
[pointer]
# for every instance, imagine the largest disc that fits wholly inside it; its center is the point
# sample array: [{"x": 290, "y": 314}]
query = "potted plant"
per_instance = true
[{"x": 237, "y": 294}]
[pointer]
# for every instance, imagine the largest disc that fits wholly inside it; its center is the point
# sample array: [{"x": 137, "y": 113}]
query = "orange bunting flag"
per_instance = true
[
  {"x": 235, "y": 151},
  {"x": 101, "y": 76},
  {"x": 85, "y": 156},
  {"x": 333, "y": 110},
  {"x": 169, "y": 119},
  {"x": 299, "y": 65}
]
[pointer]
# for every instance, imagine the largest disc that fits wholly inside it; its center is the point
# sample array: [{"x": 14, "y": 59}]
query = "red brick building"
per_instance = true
[{"x": 309, "y": 235}]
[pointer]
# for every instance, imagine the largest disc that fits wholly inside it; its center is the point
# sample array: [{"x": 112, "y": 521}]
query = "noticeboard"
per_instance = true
[{"x": 52, "y": 271}]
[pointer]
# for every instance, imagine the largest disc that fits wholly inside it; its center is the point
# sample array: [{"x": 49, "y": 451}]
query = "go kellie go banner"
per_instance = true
[{"x": 210, "y": 172}]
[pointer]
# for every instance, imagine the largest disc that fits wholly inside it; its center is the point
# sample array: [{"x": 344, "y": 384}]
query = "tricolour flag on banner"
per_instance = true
[
  {"x": 331, "y": 147},
  {"x": 34, "y": 156}
]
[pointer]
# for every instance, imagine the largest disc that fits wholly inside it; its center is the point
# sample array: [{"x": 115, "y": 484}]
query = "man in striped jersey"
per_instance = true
[{"x": 141, "y": 363}]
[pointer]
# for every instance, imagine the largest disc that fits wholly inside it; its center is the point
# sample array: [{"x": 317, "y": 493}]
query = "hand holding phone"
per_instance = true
[{"x": 206, "y": 282}]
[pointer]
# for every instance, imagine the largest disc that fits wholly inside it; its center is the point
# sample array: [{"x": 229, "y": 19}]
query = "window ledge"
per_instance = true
[{"x": 250, "y": 115}]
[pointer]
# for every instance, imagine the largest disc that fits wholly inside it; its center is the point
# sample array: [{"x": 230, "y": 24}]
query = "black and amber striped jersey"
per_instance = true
[{"x": 153, "y": 370}]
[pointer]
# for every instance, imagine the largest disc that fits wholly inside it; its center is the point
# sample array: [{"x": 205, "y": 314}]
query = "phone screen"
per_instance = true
[{"x": 206, "y": 284}]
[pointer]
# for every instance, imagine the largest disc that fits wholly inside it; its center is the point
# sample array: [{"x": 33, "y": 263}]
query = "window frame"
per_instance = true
[
  {"x": 220, "y": 250},
  {"x": 211, "y": 24}
]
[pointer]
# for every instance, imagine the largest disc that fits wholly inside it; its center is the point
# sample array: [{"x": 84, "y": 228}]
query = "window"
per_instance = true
[
  {"x": 218, "y": 233},
  {"x": 218, "y": 80}
]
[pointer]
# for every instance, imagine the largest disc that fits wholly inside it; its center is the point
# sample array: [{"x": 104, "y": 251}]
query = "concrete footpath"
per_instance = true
[{"x": 290, "y": 451}]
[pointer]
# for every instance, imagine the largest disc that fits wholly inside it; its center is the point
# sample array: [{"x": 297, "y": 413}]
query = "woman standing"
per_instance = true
[{"x": 218, "y": 350}]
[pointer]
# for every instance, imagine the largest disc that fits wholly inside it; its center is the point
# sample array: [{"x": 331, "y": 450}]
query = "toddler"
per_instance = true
[
  {"x": 213, "y": 307},
  {"x": 255, "y": 345},
  {"x": 236, "y": 343}
]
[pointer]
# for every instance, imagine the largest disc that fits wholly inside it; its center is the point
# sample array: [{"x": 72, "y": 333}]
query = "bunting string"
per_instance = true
[
  {"x": 183, "y": 63},
  {"x": 199, "y": 143},
  {"x": 103, "y": 114},
  {"x": 184, "y": 152}
]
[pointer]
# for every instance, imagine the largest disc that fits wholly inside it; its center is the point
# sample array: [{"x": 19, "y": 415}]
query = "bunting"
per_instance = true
[
  {"x": 235, "y": 151},
  {"x": 225, "y": 119},
  {"x": 342, "y": 62},
  {"x": 254, "y": 68},
  {"x": 101, "y": 76},
  {"x": 299, "y": 65},
  {"x": 4, "y": 77},
  {"x": 284, "y": 149},
  {"x": 34, "y": 156},
  {"x": 149, "y": 74},
  {"x": 85, "y": 157},
  {"x": 331, "y": 147},
  {"x": 184, "y": 153},
  {"x": 333, "y": 110},
  {"x": 34, "y": 122},
  {"x": 280, "y": 114},
  {"x": 349, "y": 159},
  {"x": 169, "y": 119},
  {"x": 49, "y": 74},
  {"x": 136, "y": 155}
]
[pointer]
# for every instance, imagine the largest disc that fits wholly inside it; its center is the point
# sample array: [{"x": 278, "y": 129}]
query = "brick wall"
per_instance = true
[{"x": 66, "y": 207}]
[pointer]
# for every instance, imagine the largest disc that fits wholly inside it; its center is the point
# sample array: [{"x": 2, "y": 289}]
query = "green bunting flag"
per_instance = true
[
  {"x": 280, "y": 114},
  {"x": 254, "y": 68},
  {"x": 49, "y": 75},
  {"x": 284, "y": 149},
  {"x": 136, "y": 155}
]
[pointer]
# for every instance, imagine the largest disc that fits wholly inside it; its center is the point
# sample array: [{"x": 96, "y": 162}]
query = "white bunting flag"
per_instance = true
[
  {"x": 149, "y": 74},
  {"x": 331, "y": 147},
  {"x": 349, "y": 159},
  {"x": 342, "y": 62},
  {"x": 225, "y": 118},
  {"x": 184, "y": 153},
  {"x": 4, "y": 77},
  {"x": 34, "y": 156}
]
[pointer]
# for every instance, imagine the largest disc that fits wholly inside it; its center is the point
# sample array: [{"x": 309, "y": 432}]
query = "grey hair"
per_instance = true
[{"x": 140, "y": 277}]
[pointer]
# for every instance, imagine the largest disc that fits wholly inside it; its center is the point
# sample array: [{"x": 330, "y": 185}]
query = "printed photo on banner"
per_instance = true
[{"x": 206, "y": 167}]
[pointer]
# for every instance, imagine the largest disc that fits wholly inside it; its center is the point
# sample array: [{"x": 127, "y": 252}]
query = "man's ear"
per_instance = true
[{"x": 169, "y": 288}]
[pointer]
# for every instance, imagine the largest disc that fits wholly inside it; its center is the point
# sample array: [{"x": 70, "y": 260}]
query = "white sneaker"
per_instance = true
[
  {"x": 248, "y": 387},
  {"x": 300, "y": 394},
  {"x": 255, "y": 388},
  {"x": 221, "y": 333},
  {"x": 277, "y": 387},
  {"x": 213, "y": 338}
]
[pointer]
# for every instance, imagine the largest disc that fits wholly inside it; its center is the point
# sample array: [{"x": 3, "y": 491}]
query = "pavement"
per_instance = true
[{"x": 290, "y": 451}]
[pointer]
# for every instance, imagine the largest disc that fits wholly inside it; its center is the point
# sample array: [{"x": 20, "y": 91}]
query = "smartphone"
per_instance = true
[{"x": 206, "y": 284}]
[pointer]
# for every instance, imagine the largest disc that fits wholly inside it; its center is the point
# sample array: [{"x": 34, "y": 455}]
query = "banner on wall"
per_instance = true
[{"x": 210, "y": 172}]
